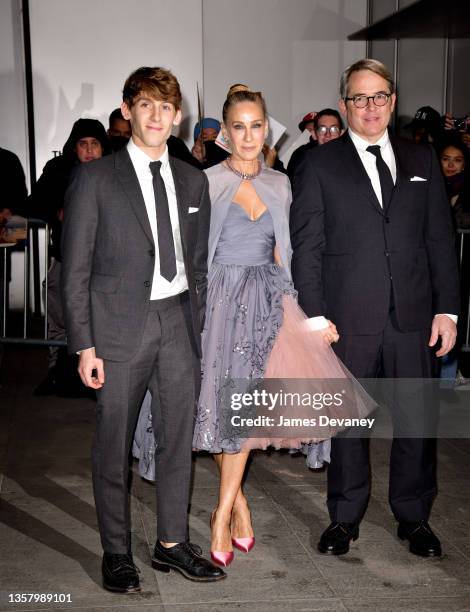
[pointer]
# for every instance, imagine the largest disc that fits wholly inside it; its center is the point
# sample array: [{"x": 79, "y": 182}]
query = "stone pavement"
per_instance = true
[{"x": 49, "y": 540}]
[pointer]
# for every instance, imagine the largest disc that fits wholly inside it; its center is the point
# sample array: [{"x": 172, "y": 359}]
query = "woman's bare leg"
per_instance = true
[{"x": 232, "y": 468}]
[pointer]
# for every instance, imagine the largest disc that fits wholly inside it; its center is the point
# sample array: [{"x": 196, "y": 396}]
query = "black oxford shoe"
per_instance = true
[
  {"x": 187, "y": 559},
  {"x": 423, "y": 541},
  {"x": 335, "y": 539},
  {"x": 120, "y": 575}
]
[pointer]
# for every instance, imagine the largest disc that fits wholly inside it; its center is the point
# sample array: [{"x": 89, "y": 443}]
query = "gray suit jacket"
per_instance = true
[{"x": 109, "y": 254}]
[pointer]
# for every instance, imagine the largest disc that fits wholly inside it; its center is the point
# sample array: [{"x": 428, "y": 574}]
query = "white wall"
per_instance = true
[
  {"x": 293, "y": 51},
  {"x": 421, "y": 77},
  {"x": 12, "y": 88},
  {"x": 84, "y": 50}
]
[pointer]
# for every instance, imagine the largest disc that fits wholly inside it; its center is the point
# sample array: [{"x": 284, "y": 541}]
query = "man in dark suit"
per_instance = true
[
  {"x": 373, "y": 255},
  {"x": 134, "y": 285}
]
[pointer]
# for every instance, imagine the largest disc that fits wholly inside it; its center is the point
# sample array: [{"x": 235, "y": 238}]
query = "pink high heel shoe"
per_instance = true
[
  {"x": 244, "y": 544},
  {"x": 220, "y": 557}
]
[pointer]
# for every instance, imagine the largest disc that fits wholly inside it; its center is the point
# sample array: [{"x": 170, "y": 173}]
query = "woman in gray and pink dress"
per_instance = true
[{"x": 253, "y": 327}]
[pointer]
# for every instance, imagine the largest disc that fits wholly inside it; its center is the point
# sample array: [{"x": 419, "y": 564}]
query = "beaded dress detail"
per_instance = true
[{"x": 244, "y": 314}]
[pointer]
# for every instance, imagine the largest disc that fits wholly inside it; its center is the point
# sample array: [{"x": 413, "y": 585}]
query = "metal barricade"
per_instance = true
[
  {"x": 32, "y": 281},
  {"x": 32, "y": 285}
]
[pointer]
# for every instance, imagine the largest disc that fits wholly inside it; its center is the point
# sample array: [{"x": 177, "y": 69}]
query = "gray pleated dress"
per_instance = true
[{"x": 243, "y": 316}]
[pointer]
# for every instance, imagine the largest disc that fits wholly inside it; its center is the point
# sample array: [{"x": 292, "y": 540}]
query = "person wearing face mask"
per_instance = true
[
  {"x": 205, "y": 149},
  {"x": 119, "y": 130},
  {"x": 87, "y": 142}
]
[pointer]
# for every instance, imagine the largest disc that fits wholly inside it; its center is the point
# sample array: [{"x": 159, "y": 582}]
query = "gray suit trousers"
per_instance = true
[{"x": 165, "y": 363}]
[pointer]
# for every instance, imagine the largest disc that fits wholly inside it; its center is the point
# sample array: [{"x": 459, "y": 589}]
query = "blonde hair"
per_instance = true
[{"x": 242, "y": 93}]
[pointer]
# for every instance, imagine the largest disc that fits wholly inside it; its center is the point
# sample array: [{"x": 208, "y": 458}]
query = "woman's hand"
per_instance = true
[
  {"x": 269, "y": 156},
  {"x": 330, "y": 333}
]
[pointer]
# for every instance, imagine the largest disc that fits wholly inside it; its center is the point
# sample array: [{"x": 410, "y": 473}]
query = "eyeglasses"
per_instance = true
[
  {"x": 379, "y": 99},
  {"x": 323, "y": 129}
]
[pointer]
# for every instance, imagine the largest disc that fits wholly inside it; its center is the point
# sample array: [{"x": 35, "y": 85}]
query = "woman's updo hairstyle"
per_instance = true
[{"x": 241, "y": 93}]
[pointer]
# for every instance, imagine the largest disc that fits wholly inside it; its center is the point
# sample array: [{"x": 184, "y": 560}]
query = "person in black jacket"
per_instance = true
[
  {"x": 453, "y": 157},
  {"x": 374, "y": 254},
  {"x": 14, "y": 192},
  {"x": 87, "y": 141},
  {"x": 323, "y": 126},
  {"x": 13, "y": 198}
]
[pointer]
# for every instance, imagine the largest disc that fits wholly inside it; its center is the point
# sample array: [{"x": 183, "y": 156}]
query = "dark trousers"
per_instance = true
[
  {"x": 55, "y": 312},
  {"x": 166, "y": 364},
  {"x": 412, "y": 485}
]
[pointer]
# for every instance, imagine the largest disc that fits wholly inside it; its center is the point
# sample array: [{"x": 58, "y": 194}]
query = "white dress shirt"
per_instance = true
[
  {"x": 369, "y": 162},
  {"x": 161, "y": 288}
]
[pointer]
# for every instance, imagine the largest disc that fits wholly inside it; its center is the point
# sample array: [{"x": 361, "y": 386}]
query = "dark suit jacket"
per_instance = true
[
  {"x": 13, "y": 193},
  {"x": 349, "y": 254},
  {"x": 109, "y": 254}
]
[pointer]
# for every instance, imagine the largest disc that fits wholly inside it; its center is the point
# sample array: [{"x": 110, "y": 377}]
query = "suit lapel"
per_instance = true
[
  {"x": 179, "y": 180},
  {"x": 402, "y": 174},
  {"x": 353, "y": 164},
  {"x": 130, "y": 184}
]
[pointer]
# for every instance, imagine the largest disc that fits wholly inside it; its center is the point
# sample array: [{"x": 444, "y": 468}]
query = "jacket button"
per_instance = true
[
  {"x": 152, "y": 253},
  {"x": 147, "y": 283},
  {"x": 387, "y": 219},
  {"x": 387, "y": 254}
]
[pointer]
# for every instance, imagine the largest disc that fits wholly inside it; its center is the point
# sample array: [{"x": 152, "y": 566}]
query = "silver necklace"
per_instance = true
[{"x": 246, "y": 176}]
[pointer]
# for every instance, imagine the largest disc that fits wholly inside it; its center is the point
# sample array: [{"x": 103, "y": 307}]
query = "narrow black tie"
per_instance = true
[
  {"x": 166, "y": 246},
  {"x": 385, "y": 176}
]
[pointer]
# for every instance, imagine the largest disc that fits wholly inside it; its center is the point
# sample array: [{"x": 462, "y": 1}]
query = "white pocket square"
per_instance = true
[
  {"x": 417, "y": 178},
  {"x": 193, "y": 209}
]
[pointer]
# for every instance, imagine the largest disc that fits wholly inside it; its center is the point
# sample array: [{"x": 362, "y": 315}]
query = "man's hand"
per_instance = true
[
  {"x": 448, "y": 122},
  {"x": 198, "y": 149},
  {"x": 446, "y": 329},
  {"x": 87, "y": 363},
  {"x": 330, "y": 333}
]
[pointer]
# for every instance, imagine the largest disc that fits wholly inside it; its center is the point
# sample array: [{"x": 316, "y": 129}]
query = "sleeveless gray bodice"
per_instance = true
[{"x": 244, "y": 242}]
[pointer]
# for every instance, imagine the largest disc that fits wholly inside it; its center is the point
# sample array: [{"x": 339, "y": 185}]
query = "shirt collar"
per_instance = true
[
  {"x": 362, "y": 144},
  {"x": 141, "y": 160}
]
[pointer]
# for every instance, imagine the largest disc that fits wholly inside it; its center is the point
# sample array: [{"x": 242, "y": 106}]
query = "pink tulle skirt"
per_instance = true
[{"x": 302, "y": 361}]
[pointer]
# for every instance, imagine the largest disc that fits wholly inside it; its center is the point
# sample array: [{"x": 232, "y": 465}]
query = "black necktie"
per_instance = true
[
  {"x": 166, "y": 246},
  {"x": 385, "y": 176}
]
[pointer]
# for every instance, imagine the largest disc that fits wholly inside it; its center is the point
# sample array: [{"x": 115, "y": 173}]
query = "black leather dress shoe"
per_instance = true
[
  {"x": 120, "y": 575},
  {"x": 335, "y": 539},
  {"x": 187, "y": 559},
  {"x": 423, "y": 541}
]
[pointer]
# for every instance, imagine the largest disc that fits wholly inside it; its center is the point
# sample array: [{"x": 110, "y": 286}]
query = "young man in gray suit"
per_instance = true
[{"x": 134, "y": 284}]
